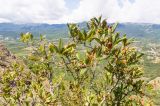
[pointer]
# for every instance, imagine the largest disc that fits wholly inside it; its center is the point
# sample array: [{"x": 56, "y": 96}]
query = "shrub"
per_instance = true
[{"x": 97, "y": 66}]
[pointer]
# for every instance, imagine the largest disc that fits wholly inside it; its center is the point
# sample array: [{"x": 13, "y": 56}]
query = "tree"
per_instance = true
[{"x": 97, "y": 66}]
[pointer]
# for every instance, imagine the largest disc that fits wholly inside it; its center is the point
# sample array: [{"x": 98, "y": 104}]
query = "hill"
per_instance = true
[{"x": 53, "y": 31}]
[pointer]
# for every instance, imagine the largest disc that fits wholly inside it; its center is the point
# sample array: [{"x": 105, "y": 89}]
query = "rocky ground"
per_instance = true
[{"x": 6, "y": 57}]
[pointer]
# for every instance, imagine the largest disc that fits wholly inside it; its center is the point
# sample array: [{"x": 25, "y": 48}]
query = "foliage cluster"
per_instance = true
[{"x": 96, "y": 67}]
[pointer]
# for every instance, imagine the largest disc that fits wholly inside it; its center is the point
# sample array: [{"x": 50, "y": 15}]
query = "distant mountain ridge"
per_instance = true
[
  {"x": 14, "y": 30},
  {"x": 142, "y": 30}
]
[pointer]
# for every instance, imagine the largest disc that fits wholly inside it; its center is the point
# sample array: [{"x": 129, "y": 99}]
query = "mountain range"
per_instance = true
[{"x": 137, "y": 30}]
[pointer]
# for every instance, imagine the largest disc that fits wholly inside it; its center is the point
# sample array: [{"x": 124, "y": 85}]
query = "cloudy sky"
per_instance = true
[{"x": 63, "y": 11}]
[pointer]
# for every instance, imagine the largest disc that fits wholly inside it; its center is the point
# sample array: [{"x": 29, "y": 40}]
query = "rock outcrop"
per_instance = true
[{"x": 6, "y": 57}]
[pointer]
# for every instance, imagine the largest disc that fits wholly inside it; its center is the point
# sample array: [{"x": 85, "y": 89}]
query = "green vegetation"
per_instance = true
[
  {"x": 94, "y": 67},
  {"x": 146, "y": 34}
]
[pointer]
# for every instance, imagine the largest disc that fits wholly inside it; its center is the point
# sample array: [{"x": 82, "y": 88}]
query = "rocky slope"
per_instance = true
[{"x": 6, "y": 57}]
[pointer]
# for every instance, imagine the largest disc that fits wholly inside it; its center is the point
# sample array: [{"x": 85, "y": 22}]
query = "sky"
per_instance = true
[{"x": 66, "y": 11}]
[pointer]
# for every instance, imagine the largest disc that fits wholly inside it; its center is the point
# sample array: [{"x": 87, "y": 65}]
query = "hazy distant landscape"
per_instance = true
[{"x": 138, "y": 30}]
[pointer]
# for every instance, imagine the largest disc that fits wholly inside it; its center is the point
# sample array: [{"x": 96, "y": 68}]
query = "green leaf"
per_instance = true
[
  {"x": 83, "y": 71},
  {"x": 60, "y": 45},
  {"x": 115, "y": 38},
  {"x": 41, "y": 37},
  {"x": 84, "y": 34},
  {"x": 71, "y": 45},
  {"x": 51, "y": 47},
  {"x": 140, "y": 55},
  {"x": 67, "y": 50},
  {"x": 42, "y": 48},
  {"x": 98, "y": 40},
  {"x": 96, "y": 20},
  {"x": 104, "y": 23},
  {"x": 114, "y": 27}
]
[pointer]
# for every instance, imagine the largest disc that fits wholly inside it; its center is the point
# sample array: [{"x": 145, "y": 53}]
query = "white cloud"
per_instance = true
[
  {"x": 147, "y": 11},
  {"x": 29, "y": 11},
  {"x": 55, "y": 11}
]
